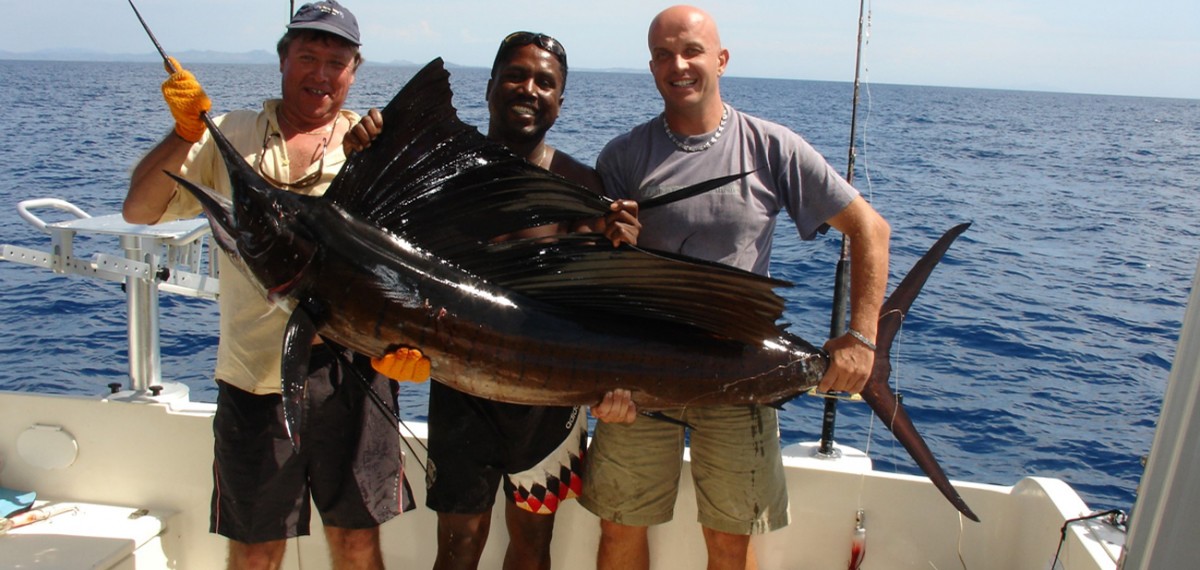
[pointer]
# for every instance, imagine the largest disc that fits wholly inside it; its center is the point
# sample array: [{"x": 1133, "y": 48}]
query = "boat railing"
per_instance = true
[{"x": 170, "y": 257}]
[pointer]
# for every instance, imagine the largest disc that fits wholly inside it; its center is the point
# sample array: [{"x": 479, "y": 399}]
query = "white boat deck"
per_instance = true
[{"x": 158, "y": 457}]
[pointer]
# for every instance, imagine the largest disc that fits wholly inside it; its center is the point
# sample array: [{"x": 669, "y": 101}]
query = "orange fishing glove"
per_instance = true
[
  {"x": 404, "y": 365},
  {"x": 187, "y": 100}
]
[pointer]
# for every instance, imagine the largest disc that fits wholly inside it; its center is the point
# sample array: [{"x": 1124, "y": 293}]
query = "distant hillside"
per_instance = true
[{"x": 204, "y": 56}]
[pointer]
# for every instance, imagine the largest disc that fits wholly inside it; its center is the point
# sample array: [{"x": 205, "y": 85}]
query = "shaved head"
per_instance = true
[
  {"x": 687, "y": 61},
  {"x": 684, "y": 17}
]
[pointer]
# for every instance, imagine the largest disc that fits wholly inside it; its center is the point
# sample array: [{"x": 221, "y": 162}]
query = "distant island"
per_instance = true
[
  {"x": 193, "y": 56},
  {"x": 208, "y": 56}
]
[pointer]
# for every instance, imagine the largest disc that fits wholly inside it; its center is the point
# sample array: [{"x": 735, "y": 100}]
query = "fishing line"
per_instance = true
[
  {"x": 865, "y": 13},
  {"x": 897, "y": 360},
  {"x": 962, "y": 562},
  {"x": 866, "y": 82},
  {"x": 959, "y": 546},
  {"x": 386, "y": 410},
  {"x": 841, "y": 281},
  {"x": 1116, "y": 517}
]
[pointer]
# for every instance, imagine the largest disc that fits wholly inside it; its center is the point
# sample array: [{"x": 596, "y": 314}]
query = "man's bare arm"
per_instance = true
[
  {"x": 851, "y": 358},
  {"x": 150, "y": 189}
]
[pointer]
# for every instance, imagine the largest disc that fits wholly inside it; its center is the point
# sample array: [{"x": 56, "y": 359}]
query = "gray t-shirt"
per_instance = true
[{"x": 732, "y": 224}]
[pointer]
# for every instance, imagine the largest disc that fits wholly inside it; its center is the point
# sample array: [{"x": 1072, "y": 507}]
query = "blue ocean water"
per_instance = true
[{"x": 1041, "y": 345}]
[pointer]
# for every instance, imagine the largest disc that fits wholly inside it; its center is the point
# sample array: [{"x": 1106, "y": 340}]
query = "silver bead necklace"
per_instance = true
[{"x": 711, "y": 141}]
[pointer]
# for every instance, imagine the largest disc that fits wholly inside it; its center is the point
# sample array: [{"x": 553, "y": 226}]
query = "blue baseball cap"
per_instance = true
[{"x": 327, "y": 16}]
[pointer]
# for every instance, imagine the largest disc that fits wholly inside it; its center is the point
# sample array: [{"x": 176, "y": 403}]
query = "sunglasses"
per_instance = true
[
  {"x": 303, "y": 183},
  {"x": 518, "y": 39}
]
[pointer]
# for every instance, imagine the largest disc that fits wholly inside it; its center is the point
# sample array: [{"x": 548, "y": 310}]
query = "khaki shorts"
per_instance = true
[{"x": 632, "y": 470}]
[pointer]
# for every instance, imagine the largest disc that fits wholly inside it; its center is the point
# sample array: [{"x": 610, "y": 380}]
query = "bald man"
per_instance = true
[{"x": 632, "y": 472}]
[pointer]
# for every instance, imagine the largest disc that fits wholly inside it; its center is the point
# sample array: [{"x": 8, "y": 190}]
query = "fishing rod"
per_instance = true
[
  {"x": 166, "y": 59},
  {"x": 841, "y": 284},
  {"x": 837, "y": 325}
]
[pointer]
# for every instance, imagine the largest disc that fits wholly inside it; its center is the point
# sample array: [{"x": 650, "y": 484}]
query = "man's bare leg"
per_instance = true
[
  {"x": 623, "y": 547},
  {"x": 529, "y": 536},
  {"x": 727, "y": 551},
  {"x": 354, "y": 548},
  {"x": 461, "y": 539},
  {"x": 256, "y": 556}
]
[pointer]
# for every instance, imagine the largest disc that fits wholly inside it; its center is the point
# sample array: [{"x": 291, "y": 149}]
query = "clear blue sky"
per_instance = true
[{"x": 1119, "y": 47}]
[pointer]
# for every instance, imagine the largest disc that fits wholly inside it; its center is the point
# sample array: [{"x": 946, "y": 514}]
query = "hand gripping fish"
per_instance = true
[{"x": 397, "y": 253}]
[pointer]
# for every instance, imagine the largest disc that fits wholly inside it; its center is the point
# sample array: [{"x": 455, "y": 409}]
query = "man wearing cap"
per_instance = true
[{"x": 350, "y": 461}]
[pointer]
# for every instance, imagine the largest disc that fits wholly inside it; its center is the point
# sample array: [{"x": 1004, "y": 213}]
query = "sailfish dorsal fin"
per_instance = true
[
  {"x": 445, "y": 187},
  {"x": 443, "y": 184}
]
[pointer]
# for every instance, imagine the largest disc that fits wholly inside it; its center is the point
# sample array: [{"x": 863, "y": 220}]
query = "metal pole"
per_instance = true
[{"x": 142, "y": 304}]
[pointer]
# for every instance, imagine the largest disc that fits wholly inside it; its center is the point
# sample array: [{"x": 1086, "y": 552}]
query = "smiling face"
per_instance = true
[
  {"x": 318, "y": 71},
  {"x": 686, "y": 59},
  {"x": 524, "y": 95}
]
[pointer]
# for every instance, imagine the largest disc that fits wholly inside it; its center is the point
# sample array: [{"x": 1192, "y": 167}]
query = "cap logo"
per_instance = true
[{"x": 328, "y": 9}]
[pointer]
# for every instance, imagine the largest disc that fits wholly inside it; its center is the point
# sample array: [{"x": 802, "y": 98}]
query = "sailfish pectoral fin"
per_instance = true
[
  {"x": 879, "y": 395},
  {"x": 218, "y": 208},
  {"x": 892, "y": 412},
  {"x": 298, "y": 337}
]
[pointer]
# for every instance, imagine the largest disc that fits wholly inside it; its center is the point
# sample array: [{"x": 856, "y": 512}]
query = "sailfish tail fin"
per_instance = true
[{"x": 877, "y": 392}]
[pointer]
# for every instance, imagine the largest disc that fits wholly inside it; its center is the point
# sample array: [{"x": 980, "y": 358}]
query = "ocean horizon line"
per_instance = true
[{"x": 264, "y": 57}]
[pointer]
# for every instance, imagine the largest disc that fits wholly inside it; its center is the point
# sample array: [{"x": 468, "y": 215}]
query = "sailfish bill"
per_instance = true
[{"x": 398, "y": 253}]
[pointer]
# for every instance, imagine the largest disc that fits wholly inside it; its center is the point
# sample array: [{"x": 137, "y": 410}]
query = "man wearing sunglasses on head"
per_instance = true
[
  {"x": 476, "y": 443},
  {"x": 350, "y": 463}
]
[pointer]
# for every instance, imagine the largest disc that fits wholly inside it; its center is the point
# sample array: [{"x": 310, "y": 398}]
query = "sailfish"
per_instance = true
[{"x": 398, "y": 253}]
